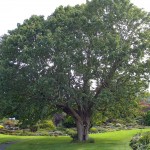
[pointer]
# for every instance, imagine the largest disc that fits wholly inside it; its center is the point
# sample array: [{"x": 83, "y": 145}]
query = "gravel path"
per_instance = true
[{"x": 5, "y": 145}]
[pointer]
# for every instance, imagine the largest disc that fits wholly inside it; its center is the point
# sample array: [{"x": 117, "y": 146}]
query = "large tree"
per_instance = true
[{"x": 80, "y": 59}]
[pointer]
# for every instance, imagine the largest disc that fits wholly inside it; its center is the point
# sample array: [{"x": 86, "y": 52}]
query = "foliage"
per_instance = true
[
  {"x": 80, "y": 59},
  {"x": 5, "y": 131},
  {"x": 93, "y": 130},
  {"x": 1, "y": 127},
  {"x": 10, "y": 123},
  {"x": 68, "y": 122},
  {"x": 98, "y": 118},
  {"x": 70, "y": 131},
  {"x": 145, "y": 96},
  {"x": 47, "y": 124},
  {"x": 141, "y": 141},
  {"x": 33, "y": 128},
  {"x": 73, "y": 134},
  {"x": 147, "y": 118}
]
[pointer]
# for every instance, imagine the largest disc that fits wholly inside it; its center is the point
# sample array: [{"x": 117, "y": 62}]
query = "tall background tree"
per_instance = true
[{"x": 80, "y": 59}]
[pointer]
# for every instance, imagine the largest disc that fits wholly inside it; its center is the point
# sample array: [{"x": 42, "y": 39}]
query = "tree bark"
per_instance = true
[
  {"x": 82, "y": 119},
  {"x": 83, "y": 126}
]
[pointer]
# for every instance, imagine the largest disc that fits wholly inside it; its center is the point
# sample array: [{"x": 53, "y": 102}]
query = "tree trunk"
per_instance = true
[
  {"x": 82, "y": 119},
  {"x": 83, "y": 126}
]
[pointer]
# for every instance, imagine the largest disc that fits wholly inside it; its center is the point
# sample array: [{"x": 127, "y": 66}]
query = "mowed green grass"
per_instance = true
[{"x": 118, "y": 140}]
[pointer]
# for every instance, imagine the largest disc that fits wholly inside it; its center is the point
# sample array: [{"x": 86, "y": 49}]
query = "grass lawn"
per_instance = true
[{"x": 118, "y": 140}]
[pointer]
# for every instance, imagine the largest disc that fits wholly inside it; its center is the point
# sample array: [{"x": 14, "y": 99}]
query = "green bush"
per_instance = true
[
  {"x": 93, "y": 130},
  {"x": 141, "y": 141},
  {"x": 5, "y": 131},
  {"x": 47, "y": 124},
  {"x": 147, "y": 119},
  {"x": 26, "y": 133},
  {"x": 69, "y": 122},
  {"x": 70, "y": 131},
  {"x": 102, "y": 129},
  {"x": 56, "y": 133},
  {"x": 73, "y": 134},
  {"x": 33, "y": 128},
  {"x": 1, "y": 127}
]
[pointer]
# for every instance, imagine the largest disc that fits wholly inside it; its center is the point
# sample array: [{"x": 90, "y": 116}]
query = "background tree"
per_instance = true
[{"x": 80, "y": 59}]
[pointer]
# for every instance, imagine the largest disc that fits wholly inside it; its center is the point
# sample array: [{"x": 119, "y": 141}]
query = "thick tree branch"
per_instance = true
[{"x": 69, "y": 111}]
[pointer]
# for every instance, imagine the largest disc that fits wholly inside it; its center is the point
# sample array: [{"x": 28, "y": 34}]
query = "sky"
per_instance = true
[{"x": 16, "y": 11}]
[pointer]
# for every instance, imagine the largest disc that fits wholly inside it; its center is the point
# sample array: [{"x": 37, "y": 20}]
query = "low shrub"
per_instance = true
[
  {"x": 141, "y": 141},
  {"x": 119, "y": 125},
  {"x": 5, "y": 131},
  {"x": 61, "y": 129},
  {"x": 1, "y": 127},
  {"x": 26, "y": 133},
  {"x": 93, "y": 130},
  {"x": 10, "y": 122},
  {"x": 47, "y": 124},
  {"x": 73, "y": 134},
  {"x": 41, "y": 134},
  {"x": 33, "y": 128},
  {"x": 70, "y": 131},
  {"x": 102, "y": 129},
  {"x": 56, "y": 133}
]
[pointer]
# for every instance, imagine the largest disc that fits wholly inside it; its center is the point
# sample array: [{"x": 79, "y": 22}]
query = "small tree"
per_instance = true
[
  {"x": 147, "y": 118},
  {"x": 80, "y": 59}
]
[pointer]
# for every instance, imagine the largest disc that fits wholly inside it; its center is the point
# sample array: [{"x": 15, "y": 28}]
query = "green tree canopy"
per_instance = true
[{"x": 82, "y": 58}]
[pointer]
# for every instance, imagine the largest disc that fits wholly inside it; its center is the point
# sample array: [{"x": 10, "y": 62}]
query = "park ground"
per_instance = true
[{"x": 118, "y": 140}]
